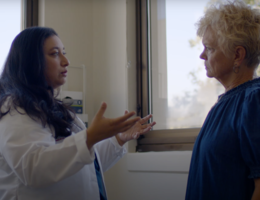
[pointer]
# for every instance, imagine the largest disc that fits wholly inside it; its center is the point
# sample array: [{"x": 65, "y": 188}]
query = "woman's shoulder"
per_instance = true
[
  {"x": 253, "y": 88},
  {"x": 244, "y": 90},
  {"x": 250, "y": 96},
  {"x": 247, "y": 93}
]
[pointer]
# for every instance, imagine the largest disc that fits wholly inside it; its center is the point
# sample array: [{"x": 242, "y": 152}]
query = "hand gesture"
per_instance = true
[
  {"x": 102, "y": 128},
  {"x": 135, "y": 131}
]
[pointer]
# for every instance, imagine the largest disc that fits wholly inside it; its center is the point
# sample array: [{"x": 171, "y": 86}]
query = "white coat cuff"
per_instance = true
[
  {"x": 86, "y": 155},
  {"x": 120, "y": 150}
]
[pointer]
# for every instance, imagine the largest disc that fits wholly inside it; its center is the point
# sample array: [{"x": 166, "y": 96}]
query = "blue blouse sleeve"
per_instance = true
[{"x": 249, "y": 132}]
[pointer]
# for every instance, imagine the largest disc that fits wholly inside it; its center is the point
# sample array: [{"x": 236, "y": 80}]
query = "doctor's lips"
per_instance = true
[{"x": 64, "y": 73}]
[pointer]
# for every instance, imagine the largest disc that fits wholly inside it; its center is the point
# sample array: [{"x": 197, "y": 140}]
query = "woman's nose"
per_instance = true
[
  {"x": 65, "y": 61},
  {"x": 203, "y": 56}
]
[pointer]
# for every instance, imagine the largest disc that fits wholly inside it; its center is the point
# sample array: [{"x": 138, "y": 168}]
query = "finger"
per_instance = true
[
  {"x": 151, "y": 124},
  {"x": 128, "y": 124},
  {"x": 132, "y": 121},
  {"x": 126, "y": 111},
  {"x": 124, "y": 128},
  {"x": 145, "y": 119},
  {"x": 101, "y": 110},
  {"x": 145, "y": 126},
  {"x": 147, "y": 129},
  {"x": 124, "y": 117}
]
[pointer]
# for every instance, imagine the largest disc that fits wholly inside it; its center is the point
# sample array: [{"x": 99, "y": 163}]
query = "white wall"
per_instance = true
[
  {"x": 109, "y": 56},
  {"x": 101, "y": 35},
  {"x": 73, "y": 21}
]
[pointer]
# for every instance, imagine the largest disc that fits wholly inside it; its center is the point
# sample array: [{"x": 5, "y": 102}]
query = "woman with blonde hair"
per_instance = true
[{"x": 226, "y": 157}]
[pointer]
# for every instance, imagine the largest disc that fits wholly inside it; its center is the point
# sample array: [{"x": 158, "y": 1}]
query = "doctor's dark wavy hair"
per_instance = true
[{"x": 23, "y": 83}]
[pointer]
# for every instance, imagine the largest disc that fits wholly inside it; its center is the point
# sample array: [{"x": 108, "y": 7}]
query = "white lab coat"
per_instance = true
[{"x": 34, "y": 167}]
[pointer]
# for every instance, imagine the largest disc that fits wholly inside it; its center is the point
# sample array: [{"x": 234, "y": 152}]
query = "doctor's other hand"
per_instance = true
[
  {"x": 139, "y": 128},
  {"x": 102, "y": 128}
]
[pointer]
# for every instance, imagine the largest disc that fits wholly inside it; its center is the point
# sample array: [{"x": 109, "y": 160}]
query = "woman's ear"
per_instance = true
[{"x": 240, "y": 54}]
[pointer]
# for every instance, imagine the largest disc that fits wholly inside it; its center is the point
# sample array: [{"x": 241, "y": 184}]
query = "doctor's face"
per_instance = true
[{"x": 56, "y": 62}]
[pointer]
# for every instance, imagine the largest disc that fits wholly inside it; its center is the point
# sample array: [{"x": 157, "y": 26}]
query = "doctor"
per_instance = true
[{"x": 46, "y": 153}]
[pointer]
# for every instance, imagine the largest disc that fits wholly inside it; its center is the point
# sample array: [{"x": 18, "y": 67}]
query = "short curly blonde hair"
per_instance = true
[{"x": 235, "y": 24}]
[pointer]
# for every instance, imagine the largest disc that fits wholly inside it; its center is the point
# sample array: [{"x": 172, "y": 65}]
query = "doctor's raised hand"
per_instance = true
[
  {"x": 123, "y": 128},
  {"x": 139, "y": 128},
  {"x": 102, "y": 128}
]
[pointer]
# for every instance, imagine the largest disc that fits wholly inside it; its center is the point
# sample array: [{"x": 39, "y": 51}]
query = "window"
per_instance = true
[
  {"x": 182, "y": 95},
  {"x": 172, "y": 80},
  {"x": 11, "y": 25},
  {"x": 15, "y": 15}
]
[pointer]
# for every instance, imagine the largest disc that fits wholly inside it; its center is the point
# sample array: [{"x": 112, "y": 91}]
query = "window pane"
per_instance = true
[
  {"x": 10, "y": 20},
  {"x": 182, "y": 93}
]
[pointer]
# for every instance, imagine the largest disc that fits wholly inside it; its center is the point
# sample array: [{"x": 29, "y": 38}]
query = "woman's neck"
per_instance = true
[
  {"x": 238, "y": 80},
  {"x": 236, "y": 83},
  {"x": 235, "y": 79}
]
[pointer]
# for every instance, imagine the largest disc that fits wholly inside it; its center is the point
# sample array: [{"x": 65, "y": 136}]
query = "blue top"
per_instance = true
[{"x": 226, "y": 154}]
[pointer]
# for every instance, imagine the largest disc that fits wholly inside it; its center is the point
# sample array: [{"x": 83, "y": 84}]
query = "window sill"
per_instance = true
[{"x": 173, "y": 161}]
